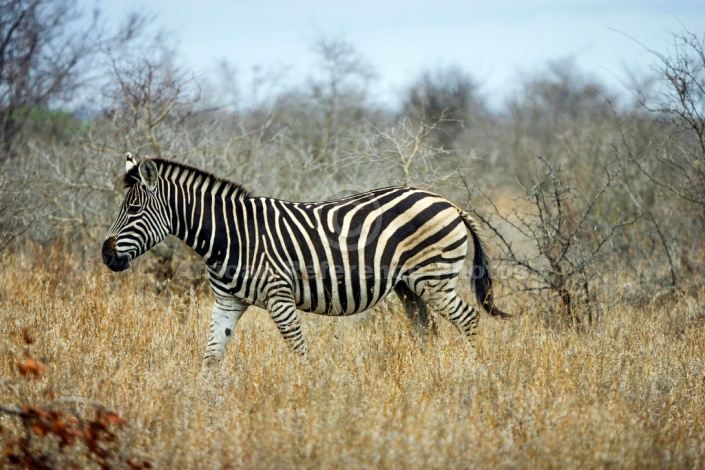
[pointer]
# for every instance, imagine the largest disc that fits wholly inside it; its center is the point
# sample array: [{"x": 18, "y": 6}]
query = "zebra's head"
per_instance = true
[{"x": 142, "y": 221}]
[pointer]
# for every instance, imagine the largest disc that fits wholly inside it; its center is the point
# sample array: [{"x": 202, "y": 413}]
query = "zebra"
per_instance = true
[{"x": 338, "y": 257}]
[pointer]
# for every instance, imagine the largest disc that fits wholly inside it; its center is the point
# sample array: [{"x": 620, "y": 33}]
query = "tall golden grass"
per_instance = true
[{"x": 628, "y": 391}]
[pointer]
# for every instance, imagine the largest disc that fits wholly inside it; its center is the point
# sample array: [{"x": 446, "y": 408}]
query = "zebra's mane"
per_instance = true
[{"x": 174, "y": 170}]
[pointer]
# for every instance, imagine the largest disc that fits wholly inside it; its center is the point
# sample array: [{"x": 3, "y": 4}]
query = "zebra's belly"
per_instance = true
[
  {"x": 341, "y": 308},
  {"x": 347, "y": 296}
]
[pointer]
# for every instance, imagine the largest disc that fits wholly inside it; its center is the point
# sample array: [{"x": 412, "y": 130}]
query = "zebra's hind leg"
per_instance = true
[
  {"x": 226, "y": 313},
  {"x": 443, "y": 297},
  {"x": 285, "y": 316},
  {"x": 416, "y": 311}
]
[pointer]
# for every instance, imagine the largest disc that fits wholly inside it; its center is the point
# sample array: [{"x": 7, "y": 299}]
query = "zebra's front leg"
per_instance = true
[
  {"x": 226, "y": 312},
  {"x": 285, "y": 316}
]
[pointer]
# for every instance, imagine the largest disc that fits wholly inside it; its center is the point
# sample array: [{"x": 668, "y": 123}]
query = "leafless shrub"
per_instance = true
[
  {"x": 42, "y": 50},
  {"x": 449, "y": 98},
  {"x": 661, "y": 148},
  {"x": 322, "y": 116},
  {"x": 60, "y": 180},
  {"x": 681, "y": 105},
  {"x": 411, "y": 155},
  {"x": 567, "y": 237},
  {"x": 145, "y": 89}
]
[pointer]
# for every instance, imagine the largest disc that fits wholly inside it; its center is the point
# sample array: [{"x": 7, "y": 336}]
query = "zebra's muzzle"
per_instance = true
[{"x": 111, "y": 258}]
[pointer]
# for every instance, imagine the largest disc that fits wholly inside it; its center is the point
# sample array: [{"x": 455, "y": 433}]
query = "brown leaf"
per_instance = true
[
  {"x": 39, "y": 430},
  {"x": 31, "y": 367},
  {"x": 33, "y": 412},
  {"x": 113, "y": 418}
]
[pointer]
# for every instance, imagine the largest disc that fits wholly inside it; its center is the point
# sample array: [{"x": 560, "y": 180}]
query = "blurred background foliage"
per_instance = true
[{"x": 587, "y": 194}]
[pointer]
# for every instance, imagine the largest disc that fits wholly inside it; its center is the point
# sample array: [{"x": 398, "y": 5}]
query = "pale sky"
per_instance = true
[{"x": 496, "y": 42}]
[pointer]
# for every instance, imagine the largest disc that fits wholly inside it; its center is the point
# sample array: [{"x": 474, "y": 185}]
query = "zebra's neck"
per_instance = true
[{"x": 199, "y": 204}]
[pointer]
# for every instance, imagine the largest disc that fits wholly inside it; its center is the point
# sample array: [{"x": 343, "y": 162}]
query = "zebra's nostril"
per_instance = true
[
  {"x": 111, "y": 258},
  {"x": 108, "y": 251},
  {"x": 109, "y": 245}
]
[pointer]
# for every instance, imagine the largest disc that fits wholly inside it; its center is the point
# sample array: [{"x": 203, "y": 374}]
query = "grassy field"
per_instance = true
[{"x": 627, "y": 392}]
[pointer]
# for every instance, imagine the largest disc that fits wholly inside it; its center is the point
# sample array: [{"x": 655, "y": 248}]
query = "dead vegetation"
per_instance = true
[{"x": 628, "y": 392}]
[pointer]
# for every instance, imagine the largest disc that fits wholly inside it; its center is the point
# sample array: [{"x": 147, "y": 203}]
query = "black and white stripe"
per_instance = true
[{"x": 333, "y": 258}]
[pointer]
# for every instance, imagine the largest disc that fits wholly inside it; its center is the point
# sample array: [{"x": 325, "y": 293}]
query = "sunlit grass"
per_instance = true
[{"x": 628, "y": 391}]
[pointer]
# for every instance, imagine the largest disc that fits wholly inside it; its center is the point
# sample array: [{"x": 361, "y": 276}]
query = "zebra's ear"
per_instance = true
[
  {"x": 148, "y": 173},
  {"x": 130, "y": 162}
]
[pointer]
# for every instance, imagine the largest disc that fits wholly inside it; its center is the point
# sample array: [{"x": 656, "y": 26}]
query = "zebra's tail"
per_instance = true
[{"x": 481, "y": 269}]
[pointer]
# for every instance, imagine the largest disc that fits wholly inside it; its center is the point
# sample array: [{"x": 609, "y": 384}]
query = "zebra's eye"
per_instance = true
[{"x": 133, "y": 209}]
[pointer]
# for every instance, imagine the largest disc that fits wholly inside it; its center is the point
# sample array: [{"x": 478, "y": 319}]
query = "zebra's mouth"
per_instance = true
[{"x": 112, "y": 259}]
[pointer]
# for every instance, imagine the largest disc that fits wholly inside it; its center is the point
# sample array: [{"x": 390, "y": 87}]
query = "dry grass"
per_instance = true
[{"x": 629, "y": 392}]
